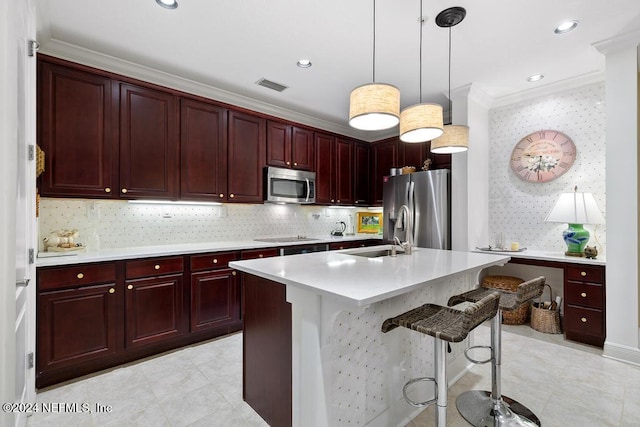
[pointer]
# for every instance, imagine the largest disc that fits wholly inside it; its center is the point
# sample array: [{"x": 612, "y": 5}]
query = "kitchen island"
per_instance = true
[{"x": 313, "y": 351}]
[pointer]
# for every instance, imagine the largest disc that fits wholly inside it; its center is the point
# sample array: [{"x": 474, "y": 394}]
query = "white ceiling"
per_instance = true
[{"x": 230, "y": 44}]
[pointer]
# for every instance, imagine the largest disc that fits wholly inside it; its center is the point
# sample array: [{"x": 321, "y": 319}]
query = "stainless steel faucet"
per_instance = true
[{"x": 408, "y": 228}]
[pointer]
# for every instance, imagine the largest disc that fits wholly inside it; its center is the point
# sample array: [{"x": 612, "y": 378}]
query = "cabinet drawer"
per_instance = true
[
  {"x": 213, "y": 260},
  {"x": 259, "y": 253},
  {"x": 584, "y": 294},
  {"x": 154, "y": 267},
  {"x": 583, "y": 320},
  {"x": 75, "y": 276},
  {"x": 585, "y": 274}
]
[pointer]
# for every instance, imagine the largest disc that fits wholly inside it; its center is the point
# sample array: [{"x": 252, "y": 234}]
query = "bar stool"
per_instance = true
[
  {"x": 445, "y": 324},
  {"x": 483, "y": 408}
]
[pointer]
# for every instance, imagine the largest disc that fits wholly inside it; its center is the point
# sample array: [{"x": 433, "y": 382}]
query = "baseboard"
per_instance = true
[{"x": 622, "y": 353}]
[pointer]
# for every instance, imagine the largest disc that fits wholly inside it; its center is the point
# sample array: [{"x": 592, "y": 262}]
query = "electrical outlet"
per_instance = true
[
  {"x": 222, "y": 211},
  {"x": 93, "y": 211}
]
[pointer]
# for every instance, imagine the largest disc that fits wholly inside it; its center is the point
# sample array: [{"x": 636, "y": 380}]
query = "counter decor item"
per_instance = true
[
  {"x": 545, "y": 316},
  {"x": 493, "y": 249},
  {"x": 369, "y": 222},
  {"x": 591, "y": 252},
  {"x": 408, "y": 169},
  {"x": 62, "y": 241},
  {"x": 508, "y": 283},
  {"x": 575, "y": 209}
]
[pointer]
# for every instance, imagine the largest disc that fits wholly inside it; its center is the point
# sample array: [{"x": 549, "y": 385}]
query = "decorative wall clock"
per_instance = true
[{"x": 543, "y": 156}]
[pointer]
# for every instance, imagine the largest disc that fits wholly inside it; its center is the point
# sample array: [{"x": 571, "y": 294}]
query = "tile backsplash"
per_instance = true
[{"x": 120, "y": 224}]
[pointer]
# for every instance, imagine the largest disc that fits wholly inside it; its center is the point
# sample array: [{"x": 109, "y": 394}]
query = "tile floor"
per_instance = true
[{"x": 565, "y": 384}]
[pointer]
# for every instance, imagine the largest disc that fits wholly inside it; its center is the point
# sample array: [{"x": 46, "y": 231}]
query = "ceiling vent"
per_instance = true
[{"x": 271, "y": 85}]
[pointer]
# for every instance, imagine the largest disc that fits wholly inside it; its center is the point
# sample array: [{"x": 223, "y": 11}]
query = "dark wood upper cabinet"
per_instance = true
[
  {"x": 246, "y": 157},
  {"x": 203, "y": 151},
  {"x": 344, "y": 172},
  {"x": 325, "y": 167},
  {"x": 361, "y": 180},
  {"x": 384, "y": 157},
  {"x": 77, "y": 130},
  {"x": 289, "y": 146},
  {"x": 413, "y": 154},
  {"x": 149, "y": 143}
]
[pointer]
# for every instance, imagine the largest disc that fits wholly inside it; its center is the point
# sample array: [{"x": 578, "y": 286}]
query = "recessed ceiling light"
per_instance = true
[
  {"x": 565, "y": 27},
  {"x": 168, "y": 4},
  {"x": 535, "y": 77},
  {"x": 304, "y": 63}
]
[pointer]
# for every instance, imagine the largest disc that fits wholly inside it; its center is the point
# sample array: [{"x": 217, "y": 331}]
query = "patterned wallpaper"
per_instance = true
[
  {"x": 517, "y": 208},
  {"x": 120, "y": 224}
]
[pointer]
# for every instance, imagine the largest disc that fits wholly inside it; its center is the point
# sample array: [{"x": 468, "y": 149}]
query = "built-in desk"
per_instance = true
[{"x": 584, "y": 304}]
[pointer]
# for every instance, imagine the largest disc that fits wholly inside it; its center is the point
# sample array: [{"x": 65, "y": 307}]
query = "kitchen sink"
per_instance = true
[{"x": 375, "y": 254}]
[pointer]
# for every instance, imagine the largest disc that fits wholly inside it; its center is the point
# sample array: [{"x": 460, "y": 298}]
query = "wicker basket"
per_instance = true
[
  {"x": 545, "y": 316},
  {"x": 508, "y": 283}
]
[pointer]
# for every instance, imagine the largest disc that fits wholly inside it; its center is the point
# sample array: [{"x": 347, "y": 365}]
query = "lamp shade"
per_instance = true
[
  {"x": 374, "y": 106},
  {"x": 576, "y": 208},
  {"x": 455, "y": 139},
  {"x": 421, "y": 123}
]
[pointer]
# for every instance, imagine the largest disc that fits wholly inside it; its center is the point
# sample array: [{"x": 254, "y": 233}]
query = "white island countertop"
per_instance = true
[{"x": 360, "y": 281}]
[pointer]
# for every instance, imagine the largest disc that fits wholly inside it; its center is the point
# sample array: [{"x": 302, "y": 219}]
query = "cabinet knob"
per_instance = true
[
  {"x": 583, "y": 273},
  {"x": 295, "y": 164},
  {"x": 357, "y": 201},
  {"x": 338, "y": 201},
  {"x": 583, "y": 295},
  {"x": 80, "y": 276},
  {"x": 583, "y": 320},
  {"x": 233, "y": 273},
  {"x": 231, "y": 195},
  {"x": 107, "y": 190},
  {"x": 124, "y": 191},
  {"x": 260, "y": 256},
  {"x": 332, "y": 200},
  {"x": 221, "y": 195},
  {"x": 287, "y": 163},
  {"x": 157, "y": 266},
  {"x": 130, "y": 287},
  {"x": 215, "y": 260},
  {"x": 112, "y": 291}
]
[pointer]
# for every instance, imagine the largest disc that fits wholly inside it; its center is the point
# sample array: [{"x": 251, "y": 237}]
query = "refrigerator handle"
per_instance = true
[{"x": 412, "y": 210}]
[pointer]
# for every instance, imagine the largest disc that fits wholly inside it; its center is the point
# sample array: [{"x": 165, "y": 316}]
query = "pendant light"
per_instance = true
[
  {"x": 374, "y": 106},
  {"x": 421, "y": 122},
  {"x": 455, "y": 138}
]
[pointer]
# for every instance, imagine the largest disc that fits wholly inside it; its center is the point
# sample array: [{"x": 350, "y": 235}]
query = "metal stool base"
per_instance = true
[
  {"x": 477, "y": 407},
  {"x": 426, "y": 402}
]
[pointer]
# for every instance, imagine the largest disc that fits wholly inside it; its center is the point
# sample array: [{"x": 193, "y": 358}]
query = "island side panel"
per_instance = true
[{"x": 266, "y": 361}]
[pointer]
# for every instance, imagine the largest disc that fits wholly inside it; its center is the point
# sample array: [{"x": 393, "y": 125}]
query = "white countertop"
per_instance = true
[
  {"x": 549, "y": 256},
  {"x": 84, "y": 256},
  {"x": 361, "y": 281}
]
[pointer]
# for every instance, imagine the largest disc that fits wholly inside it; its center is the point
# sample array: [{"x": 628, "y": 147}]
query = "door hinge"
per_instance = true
[
  {"x": 32, "y": 151},
  {"x": 32, "y": 256},
  {"x": 30, "y": 360},
  {"x": 32, "y": 47}
]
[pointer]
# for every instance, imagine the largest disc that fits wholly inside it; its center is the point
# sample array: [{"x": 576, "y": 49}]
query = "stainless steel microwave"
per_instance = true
[{"x": 290, "y": 186}]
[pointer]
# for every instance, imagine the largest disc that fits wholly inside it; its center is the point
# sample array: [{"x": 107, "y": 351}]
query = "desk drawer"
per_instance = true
[
  {"x": 585, "y": 274},
  {"x": 583, "y": 320},
  {"x": 584, "y": 294}
]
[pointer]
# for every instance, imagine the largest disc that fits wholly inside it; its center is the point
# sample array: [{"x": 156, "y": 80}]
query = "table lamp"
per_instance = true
[{"x": 575, "y": 209}]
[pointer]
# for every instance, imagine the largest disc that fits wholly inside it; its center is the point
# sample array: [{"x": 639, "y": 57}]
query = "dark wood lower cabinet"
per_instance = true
[
  {"x": 215, "y": 299},
  {"x": 266, "y": 355},
  {"x": 153, "y": 309},
  {"x": 76, "y": 325}
]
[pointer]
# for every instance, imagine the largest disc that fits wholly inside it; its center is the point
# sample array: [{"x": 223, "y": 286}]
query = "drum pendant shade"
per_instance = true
[
  {"x": 455, "y": 139},
  {"x": 374, "y": 106},
  {"x": 421, "y": 122}
]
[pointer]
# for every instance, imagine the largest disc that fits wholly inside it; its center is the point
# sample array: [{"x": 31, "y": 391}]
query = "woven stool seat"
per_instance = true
[
  {"x": 446, "y": 323},
  {"x": 526, "y": 291}
]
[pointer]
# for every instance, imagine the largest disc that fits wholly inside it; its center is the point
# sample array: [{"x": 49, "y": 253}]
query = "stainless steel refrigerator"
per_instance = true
[{"x": 428, "y": 198}]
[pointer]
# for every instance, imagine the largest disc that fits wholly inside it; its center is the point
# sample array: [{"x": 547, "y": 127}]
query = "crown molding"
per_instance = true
[
  {"x": 630, "y": 39},
  {"x": 116, "y": 65},
  {"x": 549, "y": 89}
]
